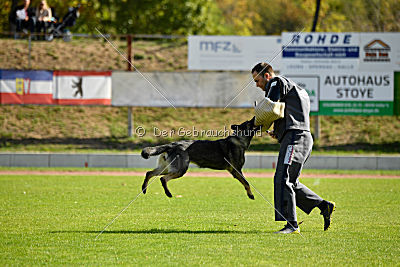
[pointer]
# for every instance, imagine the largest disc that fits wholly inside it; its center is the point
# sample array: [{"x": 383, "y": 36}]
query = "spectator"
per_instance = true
[
  {"x": 43, "y": 17},
  {"x": 23, "y": 17}
]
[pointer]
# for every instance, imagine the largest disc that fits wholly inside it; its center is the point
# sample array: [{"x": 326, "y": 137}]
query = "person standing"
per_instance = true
[{"x": 294, "y": 137}]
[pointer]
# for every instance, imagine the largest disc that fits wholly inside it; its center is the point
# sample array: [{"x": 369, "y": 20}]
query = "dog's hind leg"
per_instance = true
[
  {"x": 161, "y": 169},
  {"x": 239, "y": 175},
  {"x": 179, "y": 164},
  {"x": 164, "y": 180},
  {"x": 157, "y": 171}
]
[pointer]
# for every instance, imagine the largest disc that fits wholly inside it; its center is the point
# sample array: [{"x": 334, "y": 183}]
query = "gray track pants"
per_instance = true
[{"x": 295, "y": 148}]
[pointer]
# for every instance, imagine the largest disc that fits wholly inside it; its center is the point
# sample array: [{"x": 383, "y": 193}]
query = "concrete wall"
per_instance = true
[{"x": 253, "y": 161}]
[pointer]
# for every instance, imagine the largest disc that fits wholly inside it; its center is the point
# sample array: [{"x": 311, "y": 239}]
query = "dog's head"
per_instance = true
[{"x": 246, "y": 129}]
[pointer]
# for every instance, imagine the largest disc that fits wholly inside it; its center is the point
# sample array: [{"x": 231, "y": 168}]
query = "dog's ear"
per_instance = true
[{"x": 234, "y": 127}]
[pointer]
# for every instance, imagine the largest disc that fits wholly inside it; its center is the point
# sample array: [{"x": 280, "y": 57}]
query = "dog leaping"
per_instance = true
[{"x": 223, "y": 154}]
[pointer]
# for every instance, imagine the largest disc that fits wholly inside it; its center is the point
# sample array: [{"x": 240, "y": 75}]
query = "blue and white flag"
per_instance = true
[{"x": 26, "y": 87}]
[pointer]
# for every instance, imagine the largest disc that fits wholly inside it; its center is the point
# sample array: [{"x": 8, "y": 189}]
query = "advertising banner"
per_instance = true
[
  {"x": 26, "y": 87},
  {"x": 356, "y": 93},
  {"x": 311, "y": 84},
  {"x": 314, "y": 52},
  {"x": 355, "y": 70},
  {"x": 185, "y": 89},
  {"x": 396, "y": 108},
  {"x": 232, "y": 52},
  {"x": 379, "y": 52},
  {"x": 82, "y": 87}
]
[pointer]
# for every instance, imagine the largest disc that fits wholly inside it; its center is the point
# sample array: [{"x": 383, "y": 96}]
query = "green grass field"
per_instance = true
[{"x": 54, "y": 220}]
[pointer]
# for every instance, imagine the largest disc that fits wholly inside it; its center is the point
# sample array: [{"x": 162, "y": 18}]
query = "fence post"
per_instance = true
[
  {"x": 129, "y": 47},
  {"x": 317, "y": 127},
  {"x": 130, "y": 122},
  {"x": 29, "y": 50},
  {"x": 129, "y": 53}
]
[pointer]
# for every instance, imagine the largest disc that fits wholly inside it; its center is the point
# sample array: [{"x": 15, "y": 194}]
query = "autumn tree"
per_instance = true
[{"x": 235, "y": 17}]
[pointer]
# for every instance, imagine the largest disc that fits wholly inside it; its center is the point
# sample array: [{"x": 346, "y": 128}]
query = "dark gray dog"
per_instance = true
[{"x": 223, "y": 154}]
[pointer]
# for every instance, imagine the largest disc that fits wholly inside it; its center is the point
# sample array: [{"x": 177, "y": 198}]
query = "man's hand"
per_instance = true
[{"x": 272, "y": 134}]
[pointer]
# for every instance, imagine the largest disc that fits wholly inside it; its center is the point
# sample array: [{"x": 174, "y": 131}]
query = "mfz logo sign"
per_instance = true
[
  {"x": 219, "y": 46},
  {"x": 377, "y": 51}
]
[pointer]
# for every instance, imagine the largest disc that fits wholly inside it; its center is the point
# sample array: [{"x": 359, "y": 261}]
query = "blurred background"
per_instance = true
[
  {"x": 226, "y": 17},
  {"x": 155, "y": 36}
]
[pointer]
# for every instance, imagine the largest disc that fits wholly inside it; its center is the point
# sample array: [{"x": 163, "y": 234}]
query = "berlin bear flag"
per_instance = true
[
  {"x": 82, "y": 87},
  {"x": 26, "y": 87}
]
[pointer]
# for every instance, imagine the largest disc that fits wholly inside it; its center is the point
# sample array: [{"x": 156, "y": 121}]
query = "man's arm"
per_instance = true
[{"x": 275, "y": 90}]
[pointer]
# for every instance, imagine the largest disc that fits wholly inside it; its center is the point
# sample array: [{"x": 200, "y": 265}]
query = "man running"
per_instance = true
[{"x": 294, "y": 137}]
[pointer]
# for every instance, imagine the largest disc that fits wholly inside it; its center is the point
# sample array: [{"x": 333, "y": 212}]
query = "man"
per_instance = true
[{"x": 293, "y": 134}]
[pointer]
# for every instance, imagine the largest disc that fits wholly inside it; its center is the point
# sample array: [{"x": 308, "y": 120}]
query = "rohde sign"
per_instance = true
[
  {"x": 321, "y": 46},
  {"x": 322, "y": 39},
  {"x": 311, "y": 52},
  {"x": 320, "y": 51}
]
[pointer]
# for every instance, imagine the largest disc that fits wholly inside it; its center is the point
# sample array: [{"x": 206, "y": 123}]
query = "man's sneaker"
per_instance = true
[
  {"x": 327, "y": 214},
  {"x": 288, "y": 229}
]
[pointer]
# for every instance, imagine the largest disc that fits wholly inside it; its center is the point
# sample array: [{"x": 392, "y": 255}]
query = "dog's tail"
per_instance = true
[{"x": 155, "y": 150}]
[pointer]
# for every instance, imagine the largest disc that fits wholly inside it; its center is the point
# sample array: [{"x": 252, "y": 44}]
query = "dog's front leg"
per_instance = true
[{"x": 239, "y": 175}]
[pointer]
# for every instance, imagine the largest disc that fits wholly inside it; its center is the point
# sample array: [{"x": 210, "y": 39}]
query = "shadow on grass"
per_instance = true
[{"x": 160, "y": 231}]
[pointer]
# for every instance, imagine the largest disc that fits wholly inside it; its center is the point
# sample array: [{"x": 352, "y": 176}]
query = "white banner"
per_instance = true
[
  {"x": 355, "y": 70},
  {"x": 357, "y": 86},
  {"x": 314, "y": 52},
  {"x": 233, "y": 52},
  {"x": 82, "y": 87},
  {"x": 185, "y": 89},
  {"x": 311, "y": 84},
  {"x": 26, "y": 87},
  {"x": 379, "y": 51}
]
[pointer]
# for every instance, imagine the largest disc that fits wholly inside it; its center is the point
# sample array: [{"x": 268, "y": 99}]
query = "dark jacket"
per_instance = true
[
  {"x": 13, "y": 15},
  {"x": 297, "y": 105}
]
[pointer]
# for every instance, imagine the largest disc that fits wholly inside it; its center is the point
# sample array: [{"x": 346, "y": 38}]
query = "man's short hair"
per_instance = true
[{"x": 262, "y": 68}]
